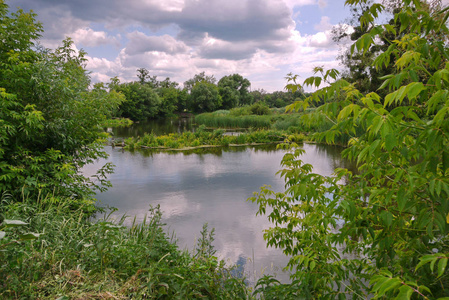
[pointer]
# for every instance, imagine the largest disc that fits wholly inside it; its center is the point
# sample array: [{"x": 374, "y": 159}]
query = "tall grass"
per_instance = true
[
  {"x": 230, "y": 121},
  {"x": 77, "y": 258}
]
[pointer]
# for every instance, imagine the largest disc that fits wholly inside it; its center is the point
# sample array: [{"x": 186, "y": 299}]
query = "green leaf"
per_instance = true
[
  {"x": 387, "y": 217},
  {"x": 405, "y": 293},
  {"x": 414, "y": 89},
  {"x": 442, "y": 266},
  {"x": 390, "y": 141},
  {"x": 29, "y": 236},
  {"x": 13, "y": 223}
]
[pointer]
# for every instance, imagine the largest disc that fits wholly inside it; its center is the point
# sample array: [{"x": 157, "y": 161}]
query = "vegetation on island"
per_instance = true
[
  {"x": 117, "y": 122},
  {"x": 202, "y": 138}
]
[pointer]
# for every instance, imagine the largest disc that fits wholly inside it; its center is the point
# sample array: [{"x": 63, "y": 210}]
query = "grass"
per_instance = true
[
  {"x": 117, "y": 122},
  {"x": 202, "y": 138},
  {"x": 230, "y": 121},
  {"x": 74, "y": 257}
]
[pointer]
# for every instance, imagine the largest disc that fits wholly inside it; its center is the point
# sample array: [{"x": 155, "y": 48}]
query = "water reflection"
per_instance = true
[
  {"x": 165, "y": 126},
  {"x": 208, "y": 186}
]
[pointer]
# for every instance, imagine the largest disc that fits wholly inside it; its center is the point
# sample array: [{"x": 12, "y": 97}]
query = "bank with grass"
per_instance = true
[
  {"x": 202, "y": 138},
  {"x": 49, "y": 251}
]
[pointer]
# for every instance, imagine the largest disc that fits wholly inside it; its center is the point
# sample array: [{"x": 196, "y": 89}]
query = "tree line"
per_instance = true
[{"x": 149, "y": 98}]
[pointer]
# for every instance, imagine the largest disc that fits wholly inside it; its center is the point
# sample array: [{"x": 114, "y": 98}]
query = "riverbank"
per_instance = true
[{"x": 55, "y": 252}]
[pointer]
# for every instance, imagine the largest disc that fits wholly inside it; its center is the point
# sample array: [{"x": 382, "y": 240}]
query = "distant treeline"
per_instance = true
[{"x": 149, "y": 98}]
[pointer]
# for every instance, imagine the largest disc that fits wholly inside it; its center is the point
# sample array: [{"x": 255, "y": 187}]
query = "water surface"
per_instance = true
[{"x": 193, "y": 189}]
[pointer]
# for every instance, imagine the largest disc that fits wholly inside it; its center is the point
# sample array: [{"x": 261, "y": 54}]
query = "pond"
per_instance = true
[{"x": 209, "y": 187}]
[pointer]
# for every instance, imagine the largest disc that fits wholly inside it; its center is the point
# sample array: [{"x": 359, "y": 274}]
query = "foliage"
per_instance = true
[
  {"x": 201, "y": 77},
  {"x": 49, "y": 119},
  {"x": 230, "y": 121},
  {"x": 381, "y": 232},
  {"x": 141, "y": 101},
  {"x": 234, "y": 91},
  {"x": 204, "y": 97},
  {"x": 203, "y": 139},
  {"x": 169, "y": 100},
  {"x": 75, "y": 258},
  {"x": 117, "y": 122},
  {"x": 260, "y": 108}
]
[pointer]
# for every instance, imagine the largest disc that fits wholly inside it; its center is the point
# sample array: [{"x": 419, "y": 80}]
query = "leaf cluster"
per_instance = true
[{"x": 378, "y": 232}]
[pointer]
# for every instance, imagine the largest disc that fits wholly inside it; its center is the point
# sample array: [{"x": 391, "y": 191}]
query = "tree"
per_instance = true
[
  {"x": 201, "y": 77},
  {"x": 169, "y": 100},
  {"x": 145, "y": 78},
  {"x": 359, "y": 68},
  {"x": 49, "y": 119},
  {"x": 142, "y": 74},
  {"x": 392, "y": 216},
  {"x": 204, "y": 97},
  {"x": 142, "y": 102},
  {"x": 167, "y": 83},
  {"x": 258, "y": 95},
  {"x": 234, "y": 91}
]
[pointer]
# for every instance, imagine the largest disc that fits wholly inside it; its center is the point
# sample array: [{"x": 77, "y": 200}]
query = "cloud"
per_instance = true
[
  {"x": 219, "y": 49},
  {"x": 322, "y": 3},
  {"x": 321, "y": 40},
  {"x": 180, "y": 38},
  {"x": 236, "y": 20},
  {"x": 90, "y": 38},
  {"x": 324, "y": 24},
  {"x": 141, "y": 43}
]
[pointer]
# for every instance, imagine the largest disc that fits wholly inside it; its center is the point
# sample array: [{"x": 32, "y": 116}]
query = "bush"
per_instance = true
[{"x": 49, "y": 117}]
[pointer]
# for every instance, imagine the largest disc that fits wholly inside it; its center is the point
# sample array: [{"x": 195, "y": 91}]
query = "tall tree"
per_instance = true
[
  {"x": 201, "y": 77},
  {"x": 141, "y": 101},
  {"x": 234, "y": 90},
  {"x": 204, "y": 97}
]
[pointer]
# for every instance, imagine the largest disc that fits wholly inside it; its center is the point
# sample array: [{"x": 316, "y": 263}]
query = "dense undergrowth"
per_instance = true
[{"x": 74, "y": 257}]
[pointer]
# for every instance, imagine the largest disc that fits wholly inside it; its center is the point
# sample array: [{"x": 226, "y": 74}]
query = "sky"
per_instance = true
[{"x": 262, "y": 40}]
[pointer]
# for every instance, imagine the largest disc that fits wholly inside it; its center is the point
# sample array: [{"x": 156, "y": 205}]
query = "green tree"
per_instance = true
[
  {"x": 49, "y": 119},
  {"x": 204, "y": 97},
  {"x": 169, "y": 100},
  {"x": 141, "y": 101},
  {"x": 384, "y": 230},
  {"x": 201, "y": 77},
  {"x": 234, "y": 91},
  {"x": 145, "y": 78}
]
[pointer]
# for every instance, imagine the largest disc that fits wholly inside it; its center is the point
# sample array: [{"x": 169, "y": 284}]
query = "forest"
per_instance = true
[{"x": 379, "y": 232}]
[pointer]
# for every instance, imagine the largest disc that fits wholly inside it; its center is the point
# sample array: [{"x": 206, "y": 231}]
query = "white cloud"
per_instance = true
[
  {"x": 322, "y": 3},
  {"x": 177, "y": 38},
  {"x": 90, "y": 38},
  {"x": 324, "y": 24}
]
